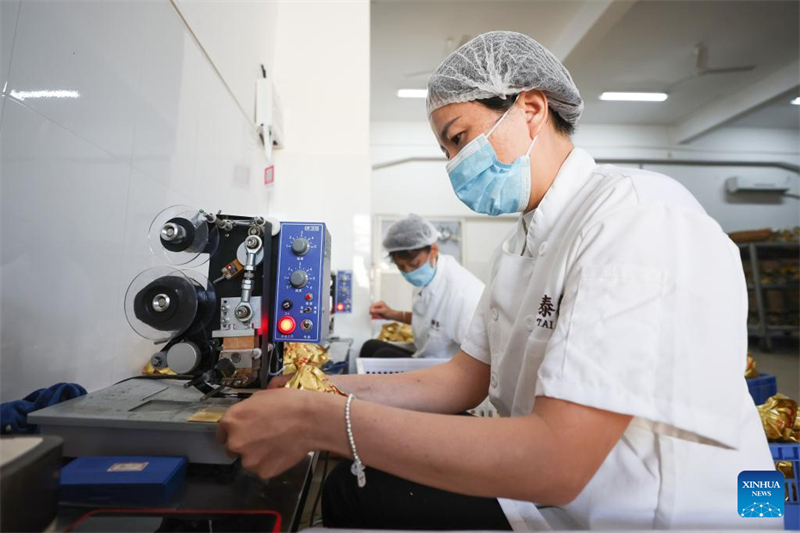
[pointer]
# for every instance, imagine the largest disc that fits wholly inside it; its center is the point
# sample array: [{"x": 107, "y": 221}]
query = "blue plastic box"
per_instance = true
[
  {"x": 121, "y": 480},
  {"x": 790, "y": 452},
  {"x": 762, "y": 387}
]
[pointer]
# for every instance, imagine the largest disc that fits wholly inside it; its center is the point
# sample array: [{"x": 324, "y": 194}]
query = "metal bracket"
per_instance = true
[{"x": 230, "y": 325}]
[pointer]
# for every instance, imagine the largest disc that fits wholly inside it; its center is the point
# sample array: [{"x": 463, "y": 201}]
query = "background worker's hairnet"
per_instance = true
[
  {"x": 503, "y": 63},
  {"x": 411, "y": 233}
]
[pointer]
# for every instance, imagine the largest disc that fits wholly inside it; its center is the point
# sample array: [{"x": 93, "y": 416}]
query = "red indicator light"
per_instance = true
[
  {"x": 340, "y": 307},
  {"x": 309, "y": 297},
  {"x": 286, "y": 325}
]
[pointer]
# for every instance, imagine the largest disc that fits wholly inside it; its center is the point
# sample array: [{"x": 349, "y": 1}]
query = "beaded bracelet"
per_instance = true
[{"x": 358, "y": 467}]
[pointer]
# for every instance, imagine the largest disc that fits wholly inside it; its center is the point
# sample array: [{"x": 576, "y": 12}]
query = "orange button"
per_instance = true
[{"x": 286, "y": 325}]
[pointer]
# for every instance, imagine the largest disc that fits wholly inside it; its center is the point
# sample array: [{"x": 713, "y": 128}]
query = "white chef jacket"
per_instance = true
[
  {"x": 620, "y": 293},
  {"x": 443, "y": 309}
]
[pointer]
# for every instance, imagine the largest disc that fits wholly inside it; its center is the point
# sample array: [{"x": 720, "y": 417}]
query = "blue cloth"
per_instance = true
[{"x": 14, "y": 414}]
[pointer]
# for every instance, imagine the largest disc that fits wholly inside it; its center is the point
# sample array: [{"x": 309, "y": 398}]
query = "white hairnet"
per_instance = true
[
  {"x": 503, "y": 63},
  {"x": 411, "y": 233}
]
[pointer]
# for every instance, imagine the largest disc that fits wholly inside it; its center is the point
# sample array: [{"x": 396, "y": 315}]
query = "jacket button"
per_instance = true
[
  {"x": 529, "y": 322},
  {"x": 494, "y": 380},
  {"x": 543, "y": 248},
  {"x": 495, "y": 314}
]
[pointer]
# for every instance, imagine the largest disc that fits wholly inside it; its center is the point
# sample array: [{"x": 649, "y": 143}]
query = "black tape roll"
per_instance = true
[
  {"x": 182, "y": 309},
  {"x": 180, "y": 245},
  {"x": 206, "y": 305}
]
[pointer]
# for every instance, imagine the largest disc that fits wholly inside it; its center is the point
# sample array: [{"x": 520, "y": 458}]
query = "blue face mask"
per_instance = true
[
  {"x": 486, "y": 185},
  {"x": 421, "y": 276}
]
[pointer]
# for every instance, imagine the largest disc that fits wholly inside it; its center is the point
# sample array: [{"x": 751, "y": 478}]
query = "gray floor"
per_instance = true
[{"x": 784, "y": 363}]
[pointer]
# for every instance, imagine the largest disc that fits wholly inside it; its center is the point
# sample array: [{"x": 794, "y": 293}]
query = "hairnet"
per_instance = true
[
  {"x": 503, "y": 63},
  {"x": 409, "y": 234}
]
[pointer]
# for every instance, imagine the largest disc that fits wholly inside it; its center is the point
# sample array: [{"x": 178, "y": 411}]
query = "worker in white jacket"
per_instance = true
[
  {"x": 445, "y": 293},
  {"x": 612, "y": 340}
]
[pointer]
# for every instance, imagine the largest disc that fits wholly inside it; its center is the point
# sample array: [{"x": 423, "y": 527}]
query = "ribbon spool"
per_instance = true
[
  {"x": 162, "y": 303},
  {"x": 180, "y": 235}
]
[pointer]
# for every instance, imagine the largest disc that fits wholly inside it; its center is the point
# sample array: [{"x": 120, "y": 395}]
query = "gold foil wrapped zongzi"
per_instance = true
[
  {"x": 779, "y": 418},
  {"x": 396, "y": 332},
  {"x": 305, "y": 362},
  {"x": 787, "y": 469},
  {"x": 751, "y": 371}
]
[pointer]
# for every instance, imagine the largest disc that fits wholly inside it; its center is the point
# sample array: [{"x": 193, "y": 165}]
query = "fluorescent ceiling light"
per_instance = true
[
  {"x": 23, "y": 95},
  {"x": 634, "y": 97},
  {"x": 796, "y": 101},
  {"x": 412, "y": 93}
]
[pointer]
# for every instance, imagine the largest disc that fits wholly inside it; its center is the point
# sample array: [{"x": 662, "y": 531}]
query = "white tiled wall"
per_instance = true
[
  {"x": 82, "y": 177},
  {"x": 323, "y": 173}
]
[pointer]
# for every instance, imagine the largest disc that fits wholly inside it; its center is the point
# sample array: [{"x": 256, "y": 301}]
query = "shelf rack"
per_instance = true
[{"x": 750, "y": 252}]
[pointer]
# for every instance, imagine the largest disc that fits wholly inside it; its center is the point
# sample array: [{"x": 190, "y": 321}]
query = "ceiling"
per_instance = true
[
  {"x": 624, "y": 45},
  {"x": 775, "y": 113}
]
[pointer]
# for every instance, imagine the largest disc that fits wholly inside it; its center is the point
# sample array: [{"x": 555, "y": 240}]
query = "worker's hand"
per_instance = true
[
  {"x": 279, "y": 381},
  {"x": 269, "y": 431},
  {"x": 379, "y": 310}
]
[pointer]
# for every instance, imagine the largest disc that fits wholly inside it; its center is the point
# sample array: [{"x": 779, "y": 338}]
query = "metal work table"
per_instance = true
[{"x": 151, "y": 417}]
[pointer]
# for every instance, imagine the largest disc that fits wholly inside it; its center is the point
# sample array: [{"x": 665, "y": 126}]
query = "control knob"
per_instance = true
[
  {"x": 298, "y": 279},
  {"x": 301, "y": 246}
]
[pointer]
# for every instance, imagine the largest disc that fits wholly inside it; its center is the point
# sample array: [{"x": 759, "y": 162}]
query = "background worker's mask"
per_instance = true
[
  {"x": 421, "y": 276},
  {"x": 486, "y": 185}
]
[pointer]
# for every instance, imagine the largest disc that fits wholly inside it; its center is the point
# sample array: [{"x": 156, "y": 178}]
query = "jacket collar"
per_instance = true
[
  {"x": 429, "y": 290},
  {"x": 534, "y": 227},
  {"x": 570, "y": 179}
]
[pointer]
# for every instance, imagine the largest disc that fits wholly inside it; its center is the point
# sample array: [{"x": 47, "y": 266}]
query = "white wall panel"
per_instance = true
[
  {"x": 323, "y": 173},
  {"x": 155, "y": 125},
  {"x": 63, "y": 207},
  {"x": 239, "y": 36},
  {"x": 174, "y": 95},
  {"x": 82, "y": 178},
  {"x": 736, "y": 212},
  {"x": 8, "y": 28},
  {"x": 93, "y": 48}
]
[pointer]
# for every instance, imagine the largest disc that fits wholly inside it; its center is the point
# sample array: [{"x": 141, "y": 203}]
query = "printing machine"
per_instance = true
[{"x": 268, "y": 284}]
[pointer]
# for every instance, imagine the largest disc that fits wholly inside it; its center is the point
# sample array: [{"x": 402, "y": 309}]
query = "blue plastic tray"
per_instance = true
[
  {"x": 790, "y": 452},
  {"x": 762, "y": 387}
]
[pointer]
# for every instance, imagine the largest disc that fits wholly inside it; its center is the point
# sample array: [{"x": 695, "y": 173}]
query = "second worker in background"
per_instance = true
[{"x": 445, "y": 295}]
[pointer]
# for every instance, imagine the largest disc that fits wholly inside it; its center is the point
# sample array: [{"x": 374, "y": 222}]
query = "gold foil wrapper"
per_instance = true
[
  {"x": 396, "y": 332},
  {"x": 787, "y": 469},
  {"x": 293, "y": 352},
  {"x": 779, "y": 418},
  {"x": 305, "y": 362},
  {"x": 149, "y": 370},
  {"x": 211, "y": 414},
  {"x": 751, "y": 371}
]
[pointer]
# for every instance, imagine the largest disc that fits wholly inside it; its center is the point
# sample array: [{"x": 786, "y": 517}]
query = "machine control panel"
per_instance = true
[
  {"x": 302, "y": 294},
  {"x": 343, "y": 293}
]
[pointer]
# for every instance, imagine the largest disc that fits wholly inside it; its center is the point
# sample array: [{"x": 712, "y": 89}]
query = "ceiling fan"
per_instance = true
[
  {"x": 701, "y": 67},
  {"x": 450, "y": 46}
]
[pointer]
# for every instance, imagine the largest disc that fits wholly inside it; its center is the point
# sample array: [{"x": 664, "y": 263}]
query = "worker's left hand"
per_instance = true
[{"x": 268, "y": 430}]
